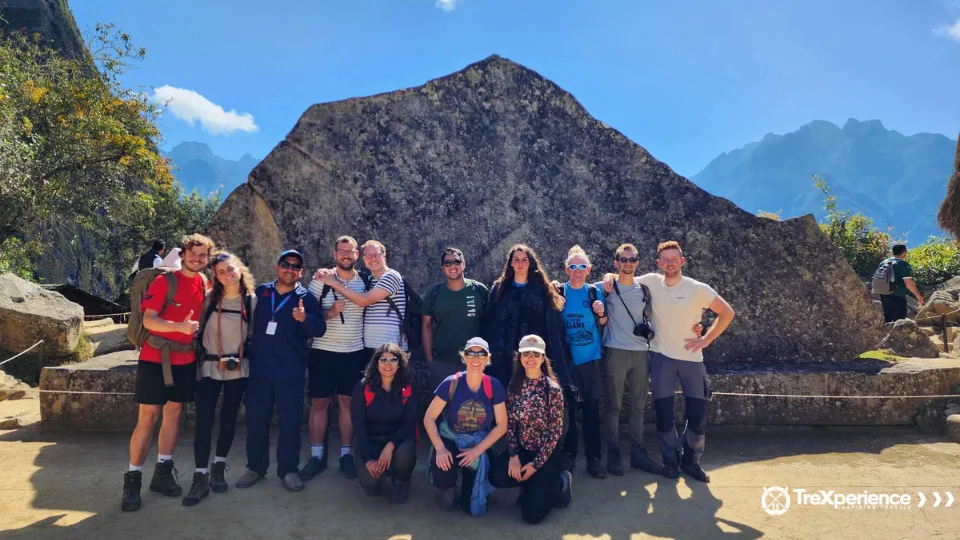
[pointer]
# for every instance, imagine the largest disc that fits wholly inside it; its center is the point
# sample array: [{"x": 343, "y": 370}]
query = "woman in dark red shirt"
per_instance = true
[{"x": 535, "y": 417}]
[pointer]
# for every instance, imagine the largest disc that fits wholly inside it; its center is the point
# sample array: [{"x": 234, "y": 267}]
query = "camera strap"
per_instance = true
[
  {"x": 243, "y": 314},
  {"x": 622, "y": 301}
]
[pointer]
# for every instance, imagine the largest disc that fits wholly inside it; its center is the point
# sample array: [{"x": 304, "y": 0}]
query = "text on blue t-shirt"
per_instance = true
[
  {"x": 583, "y": 336},
  {"x": 469, "y": 411}
]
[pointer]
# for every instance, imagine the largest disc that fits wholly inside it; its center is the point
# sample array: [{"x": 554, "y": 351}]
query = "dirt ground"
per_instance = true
[{"x": 61, "y": 485}]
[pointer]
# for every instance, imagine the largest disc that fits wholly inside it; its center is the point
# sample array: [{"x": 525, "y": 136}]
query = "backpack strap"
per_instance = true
[
  {"x": 453, "y": 385},
  {"x": 368, "y": 394},
  {"x": 487, "y": 387},
  {"x": 406, "y": 393},
  {"x": 171, "y": 290}
]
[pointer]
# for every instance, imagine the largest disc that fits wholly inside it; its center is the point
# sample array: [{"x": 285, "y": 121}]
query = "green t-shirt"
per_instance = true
[
  {"x": 456, "y": 317},
  {"x": 901, "y": 269}
]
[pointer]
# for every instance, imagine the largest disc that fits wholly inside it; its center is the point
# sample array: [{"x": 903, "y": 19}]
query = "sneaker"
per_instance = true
[
  {"x": 614, "y": 465},
  {"x": 448, "y": 499},
  {"x": 292, "y": 482},
  {"x": 199, "y": 489},
  {"x": 639, "y": 459},
  {"x": 671, "y": 471},
  {"x": 218, "y": 482},
  {"x": 347, "y": 466},
  {"x": 399, "y": 492},
  {"x": 595, "y": 468},
  {"x": 695, "y": 471},
  {"x": 131, "y": 491},
  {"x": 248, "y": 479},
  {"x": 566, "y": 490},
  {"x": 314, "y": 466},
  {"x": 165, "y": 478}
]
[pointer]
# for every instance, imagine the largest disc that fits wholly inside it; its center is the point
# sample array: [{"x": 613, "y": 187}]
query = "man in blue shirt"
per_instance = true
[{"x": 286, "y": 316}]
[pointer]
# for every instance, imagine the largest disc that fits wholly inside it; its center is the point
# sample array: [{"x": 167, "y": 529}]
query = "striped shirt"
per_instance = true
[
  {"x": 381, "y": 324},
  {"x": 346, "y": 336}
]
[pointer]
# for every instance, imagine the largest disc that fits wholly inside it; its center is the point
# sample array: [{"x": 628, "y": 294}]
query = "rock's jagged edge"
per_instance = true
[{"x": 496, "y": 154}]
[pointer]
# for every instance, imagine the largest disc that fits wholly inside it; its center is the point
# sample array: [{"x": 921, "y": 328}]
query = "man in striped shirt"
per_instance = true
[{"x": 336, "y": 360}]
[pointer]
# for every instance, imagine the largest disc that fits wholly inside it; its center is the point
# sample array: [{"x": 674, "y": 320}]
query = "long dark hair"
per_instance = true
[
  {"x": 516, "y": 380},
  {"x": 247, "y": 283},
  {"x": 536, "y": 275},
  {"x": 371, "y": 375}
]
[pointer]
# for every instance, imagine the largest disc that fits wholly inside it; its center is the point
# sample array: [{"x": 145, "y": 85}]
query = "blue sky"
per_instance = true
[{"x": 686, "y": 80}]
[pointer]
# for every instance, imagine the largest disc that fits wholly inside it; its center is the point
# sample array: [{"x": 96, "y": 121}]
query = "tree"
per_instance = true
[{"x": 862, "y": 244}]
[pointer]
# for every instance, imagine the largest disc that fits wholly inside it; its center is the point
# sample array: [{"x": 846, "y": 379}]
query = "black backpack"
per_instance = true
[{"x": 412, "y": 320}]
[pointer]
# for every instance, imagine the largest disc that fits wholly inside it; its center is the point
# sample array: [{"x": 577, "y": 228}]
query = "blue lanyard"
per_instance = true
[{"x": 276, "y": 309}]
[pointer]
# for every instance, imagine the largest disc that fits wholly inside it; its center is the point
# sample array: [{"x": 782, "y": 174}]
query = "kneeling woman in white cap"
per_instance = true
[
  {"x": 535, "y": 425},
  {"x": 475, "y": 418}
]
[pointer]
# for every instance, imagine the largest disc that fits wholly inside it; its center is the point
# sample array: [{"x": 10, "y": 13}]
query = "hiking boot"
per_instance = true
[
  {"x": 566, "y": 490},
  {"x": 614, "y": 465},
  {"x": 313, "y": 467},
  {"x": 399, "y": 492},
  {"x": 447, "y": 499},
  {"x": 218, "y": 482},
  {"x": 292, "y": 482},
  {"x": 248, "y": 479},
  {"x": 199, "y": 489},
  {"x": 131, "y": 491},
  {"x": 671, "y": 471},
  {"x": 695, "y": 471},
  {"x": 595, "y": 468},
  {"x": 163, "y": 480},
  {"x": 347, "y": 466},
  {"x": 639, "y": 459}
]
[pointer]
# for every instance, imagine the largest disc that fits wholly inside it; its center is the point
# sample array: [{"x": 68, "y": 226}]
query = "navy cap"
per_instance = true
[{"x": 290, "y": 253}]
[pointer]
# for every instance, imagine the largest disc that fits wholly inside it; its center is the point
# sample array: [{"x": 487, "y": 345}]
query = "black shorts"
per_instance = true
[
  {"x": 334, "y": 373},
  {"x": 152, "y": 391}
]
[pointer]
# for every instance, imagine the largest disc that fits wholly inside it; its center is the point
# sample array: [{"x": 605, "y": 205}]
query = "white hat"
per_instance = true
[
  {"x": 477, "y": 342},
  {"x": 533, "y": 343}
]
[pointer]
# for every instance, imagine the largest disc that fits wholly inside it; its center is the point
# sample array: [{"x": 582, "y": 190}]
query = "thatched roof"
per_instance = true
[{"x": 949, "y": 216}]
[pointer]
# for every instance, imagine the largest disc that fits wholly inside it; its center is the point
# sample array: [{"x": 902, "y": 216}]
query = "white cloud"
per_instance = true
[
  {"x": 951, "y": 32},
  {"x": 191, "y": 107},
  {"x": 446, "y": 5}
]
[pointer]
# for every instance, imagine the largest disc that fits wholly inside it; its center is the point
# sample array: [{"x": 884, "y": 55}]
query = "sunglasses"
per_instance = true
[
  {"x": 577, "y": 266},
  {"x": 628, "y": 259},
  {"x": 389, "y": 360},
  {"x": 290, "y": 266},
  {"x": 475, "y": 354},
  {"x": 220, "y": 258},
  {"x": 528, "y": 354},
  {"x": 455, "y": 262}
]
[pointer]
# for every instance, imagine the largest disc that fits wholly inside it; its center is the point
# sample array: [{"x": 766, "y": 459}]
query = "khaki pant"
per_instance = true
[{"x": 624, "y": 368}]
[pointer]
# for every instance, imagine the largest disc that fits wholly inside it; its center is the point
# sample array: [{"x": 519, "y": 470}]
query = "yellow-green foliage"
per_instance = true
[
  {"x": 934, "y": 262},
  {"x": 862, "y": 244}
]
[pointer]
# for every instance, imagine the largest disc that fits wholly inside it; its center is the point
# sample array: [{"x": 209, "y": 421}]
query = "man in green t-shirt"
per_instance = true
[
  {"x": 451, "y": 315},
  {"x": 895, "y": 304}
]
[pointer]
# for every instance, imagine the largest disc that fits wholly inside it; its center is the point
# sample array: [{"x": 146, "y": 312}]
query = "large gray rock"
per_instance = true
[
  {"x": 51, "y": 19},
  {"x": 28, "y": 313},
  {"x": 906, "y": 339},
  {"x": 11, "y": 388},
  {"x": 496, "y": 154},
  {"x": 940, "y": 308}
]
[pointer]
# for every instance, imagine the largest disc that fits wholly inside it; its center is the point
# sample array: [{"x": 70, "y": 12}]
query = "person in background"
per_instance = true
[
  {"x": 152, "y": 258},
  {"x": 894, "y": 305}
]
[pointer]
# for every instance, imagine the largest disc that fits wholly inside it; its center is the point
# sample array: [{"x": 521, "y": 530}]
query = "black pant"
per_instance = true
[
  {"x": 448, "y": 479},
  {"x": 404, "y": 459},
  {"x": 587, "y": 381},
  {"x": 894, "y": 307},
  {"x": 538, "y": 493},
  {"x": 208, "y": 392}
]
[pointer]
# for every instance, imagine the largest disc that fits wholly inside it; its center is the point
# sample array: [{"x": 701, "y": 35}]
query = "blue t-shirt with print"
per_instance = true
[
  {"x": 583, "y": 335},
  {"x": 469, "y": 411}
]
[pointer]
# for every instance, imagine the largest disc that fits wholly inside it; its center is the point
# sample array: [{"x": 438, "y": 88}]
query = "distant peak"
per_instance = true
[
  {"x": 194, "y": 147},
  {"x": 866, "y": 125}
]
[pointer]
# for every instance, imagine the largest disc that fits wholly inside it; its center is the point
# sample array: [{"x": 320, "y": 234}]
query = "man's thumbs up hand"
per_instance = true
[
  {"x": 299, "y": 314},
  {"x": 189, "y": 326}
]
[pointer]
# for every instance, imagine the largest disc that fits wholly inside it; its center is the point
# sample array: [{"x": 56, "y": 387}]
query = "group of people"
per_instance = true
[{"x": 509, "y": 365}]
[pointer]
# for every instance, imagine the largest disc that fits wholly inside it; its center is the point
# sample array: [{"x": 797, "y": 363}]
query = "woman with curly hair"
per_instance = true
[
  {"x": 522, "y": 302},
  {"x": 535, "y": 422},
  {"x": 384, "y": 414},
  {"x": 224, "y": 366}
]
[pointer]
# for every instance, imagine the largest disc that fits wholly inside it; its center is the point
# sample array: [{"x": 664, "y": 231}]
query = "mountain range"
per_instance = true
[
  {"x": 896, "y": 180},
  {"x": 197, "y": 167}
]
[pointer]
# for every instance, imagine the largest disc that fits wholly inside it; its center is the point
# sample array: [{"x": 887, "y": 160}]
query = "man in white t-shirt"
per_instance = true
[{"x": 678, "y": 303}]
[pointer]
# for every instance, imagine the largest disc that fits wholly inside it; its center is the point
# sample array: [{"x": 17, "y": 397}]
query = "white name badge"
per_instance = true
[{"x": 271, "y": 328}]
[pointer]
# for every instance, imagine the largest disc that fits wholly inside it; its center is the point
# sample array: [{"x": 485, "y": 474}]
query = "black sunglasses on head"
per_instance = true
[{"x": 290, "y": 266}]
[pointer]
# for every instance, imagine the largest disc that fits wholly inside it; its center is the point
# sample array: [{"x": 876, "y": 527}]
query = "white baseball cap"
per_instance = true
[
  {"x": 533, "y": 342},
  {"x": 477, "y": 342}
]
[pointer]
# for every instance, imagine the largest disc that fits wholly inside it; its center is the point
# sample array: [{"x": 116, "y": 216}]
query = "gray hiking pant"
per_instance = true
[
  {"x": 665, "y": 373},
  {"x": 624, "y": 368}
]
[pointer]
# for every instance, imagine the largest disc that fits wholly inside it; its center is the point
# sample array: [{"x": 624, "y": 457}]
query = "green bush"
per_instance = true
[
  {"x": 862, "y": 244},
  {"x": 934, "y": 262}
]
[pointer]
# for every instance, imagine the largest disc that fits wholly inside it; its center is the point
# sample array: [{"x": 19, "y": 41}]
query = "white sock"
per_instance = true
[
  {"x": 135, "y": 468},
  {"x": 345, "y": 450},
  {"x": 316, "y": 450},
  {"x": 203, "y": 471},
  {"x": 161, "y": 458},
  {"x": 219, "y": 459}
]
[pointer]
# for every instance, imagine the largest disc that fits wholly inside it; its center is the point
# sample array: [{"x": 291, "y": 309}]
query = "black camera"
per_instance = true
[
  {"x": 644, "y": 331},
  {"x": 231, "y": 364}
]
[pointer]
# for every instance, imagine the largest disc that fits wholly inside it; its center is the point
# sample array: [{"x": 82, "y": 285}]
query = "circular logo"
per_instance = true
[{"x": 775, "y": 500}]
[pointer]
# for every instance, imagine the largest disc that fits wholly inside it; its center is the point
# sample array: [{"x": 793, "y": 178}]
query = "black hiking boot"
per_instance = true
[
  {"x": 347, "y": 466},
  {"x": 639, "y": 459},
  {"x": 399, "y": 492},
  {"x": 199, "y": 489},
  {"x": 131, "y": 491},
  {"x": 614, "y": 465},
  {"x": 696, "y": 472},
  {"x": 595, "y": 468},
  {"x": 218, "y": 480},
  {"x": 313, "y": 467},
  {"x": 672, "y": 470},
  {"x": 163, "y": 480}
]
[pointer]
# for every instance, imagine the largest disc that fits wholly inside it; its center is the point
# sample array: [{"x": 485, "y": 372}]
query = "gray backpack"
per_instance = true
[{"x": 883, "y": 278}]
